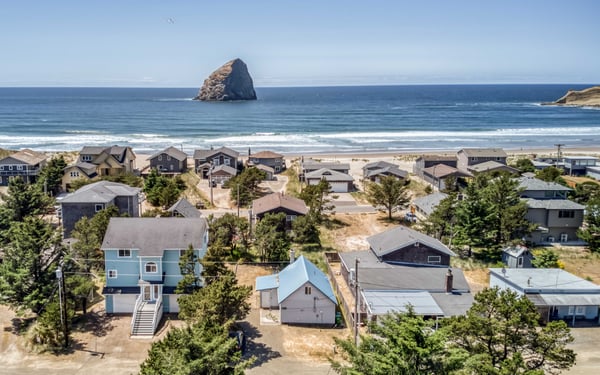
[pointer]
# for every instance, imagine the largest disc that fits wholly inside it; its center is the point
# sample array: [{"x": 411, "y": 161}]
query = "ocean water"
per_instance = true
[{"x": 298, "y": 120}]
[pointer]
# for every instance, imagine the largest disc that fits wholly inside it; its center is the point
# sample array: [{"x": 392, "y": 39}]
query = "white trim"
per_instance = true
[
  {"x": 149, "y": 264},
  {"x": 123, "y": 256}
]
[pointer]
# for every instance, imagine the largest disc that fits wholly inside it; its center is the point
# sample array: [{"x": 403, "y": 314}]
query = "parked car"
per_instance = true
[{"x": 410, "y": 217}]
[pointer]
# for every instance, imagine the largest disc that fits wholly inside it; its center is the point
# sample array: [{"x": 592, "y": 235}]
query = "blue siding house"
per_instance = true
[{"x": 141, "y": 258}]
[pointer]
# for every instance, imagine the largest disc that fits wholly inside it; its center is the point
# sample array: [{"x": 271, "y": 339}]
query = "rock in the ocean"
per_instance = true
[
  {"x": 230, "y": 82},
  {"x": 586, "y": 97}
]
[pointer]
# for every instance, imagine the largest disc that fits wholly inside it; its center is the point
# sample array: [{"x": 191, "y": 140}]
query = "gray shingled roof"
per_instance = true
[
  {"x": 92, "y": 150},
  {"x": 437, "y": 157},
  {"x": 310, "y": 164},
  {"x": 484, "y": 152},
  {"x": 173, "y": 152},
  {"x": 266, "y": 155},
  {"x": 27, "y": 156},
  {"x": 328, "y": 174},
  {"x": 491, "y": 166},
  {"x": 428, "y": 203},
  {"x": 400, "y": 237},
  {"x": 204, "y": 154},
  {"x": 554, "y": 204},
  {"x": 392, "y": 170},
  {"x": 379, "y": 165},
  {"x": 100, "y": 192},
  {"x": 184, "y": 208},
  {"x": 443, "y": 170},
  {"x": 151, "y": 236},
  {"x": 275, "y": 200},
  {"x": 535, "y": 184},
  {"x": 225, "y": 168}
]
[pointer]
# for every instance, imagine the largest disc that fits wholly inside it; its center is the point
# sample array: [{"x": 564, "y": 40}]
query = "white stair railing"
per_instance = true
[
  {"x": 138, "y": 302},
  {"x": 157, "y": 315}
]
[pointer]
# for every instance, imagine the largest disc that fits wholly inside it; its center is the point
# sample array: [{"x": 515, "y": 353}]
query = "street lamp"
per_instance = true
[{"x": 62, "y": 301}]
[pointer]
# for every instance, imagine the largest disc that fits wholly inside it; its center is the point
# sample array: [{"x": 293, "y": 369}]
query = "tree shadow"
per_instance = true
[
  {"x": 334, "y": 223},
  {"x": 261, "y": 352}
]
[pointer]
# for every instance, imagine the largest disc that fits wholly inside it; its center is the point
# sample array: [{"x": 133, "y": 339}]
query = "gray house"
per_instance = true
[
  {"x": 427, "y": 161},
  {"x": 427, "y": 204},
  {"x": 311, "y": 165},
  {"x": 517, "y": 257},
  {"x": 183, "y": 208},
  {"x": 169, "y": 161},
  {"x": 269, "y": 159},
  {"x": 535, "y": 188},
  {"x": 376, "y": 170},
  {"x": 95, "y": 197},
  {"x": 469, "y": 157},
  {"x": 339, "y": 182},
  {"x": 577, "y": 165},
  {"x": 205, "y": 159},
  {"x": 402, "y": 245},
  {"x": 556, "y": 293},
  {"x": 557, "y": 220},
  {"x": 26, "y": 164}
]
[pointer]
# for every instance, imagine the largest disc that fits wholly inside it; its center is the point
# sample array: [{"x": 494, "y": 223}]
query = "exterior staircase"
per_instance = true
[{"x": 143, "y": 324}]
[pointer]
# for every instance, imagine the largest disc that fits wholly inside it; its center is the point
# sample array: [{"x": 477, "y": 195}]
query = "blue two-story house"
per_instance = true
[{"x": 141, "y": 257}]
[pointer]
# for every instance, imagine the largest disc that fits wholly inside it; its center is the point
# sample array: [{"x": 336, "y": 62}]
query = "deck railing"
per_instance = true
[
  {"x": 138, "y": 302},
  {"x": 158, "y": 312}
]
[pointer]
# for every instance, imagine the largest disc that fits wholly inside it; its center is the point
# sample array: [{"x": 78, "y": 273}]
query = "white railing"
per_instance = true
[
  {"x": 138, "y": 302},
  {"x": 158, "y": 312}
]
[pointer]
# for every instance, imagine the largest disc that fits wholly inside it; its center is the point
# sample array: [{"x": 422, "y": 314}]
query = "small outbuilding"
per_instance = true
[{"x": 517, "y": 257}]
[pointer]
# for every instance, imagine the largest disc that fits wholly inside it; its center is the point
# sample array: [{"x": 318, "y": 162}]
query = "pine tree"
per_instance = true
[
  {"x": 271, "y": 239},
  {"x": 591, "y": 231},
  {"x": 390, "y": 193}
]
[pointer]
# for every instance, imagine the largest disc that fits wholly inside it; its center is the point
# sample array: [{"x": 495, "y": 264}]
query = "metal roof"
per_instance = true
[
  {"x": 515, "y": 251},
  {"x": 401, "y": 237},
  {"x": 267, "y": 282},
  {"x": 299, "y": 273},
  {"x": 545, "y": 280},
  {"x": 381, "y": 302},
  {"x": 379, "y": 165},
  {"x": 570, "y": 299},
  {"x": 151, "y": 236}
]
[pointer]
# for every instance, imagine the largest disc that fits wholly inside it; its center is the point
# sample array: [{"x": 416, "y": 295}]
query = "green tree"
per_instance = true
[
  {"x": 271, "y": 239},
  {"x": 219, "y": 301},
  {"x": 501, "y": 334},
  {"x": 204, "y": 348},
  {"x": 27, "y": 271},
  {"x": 161, "y": 190},
  {"x": 506, "y": 211},
  {"x": 440, "y": 223},
  {"x": 390, "y": 193},
  {"x": 305, "y": 231},
  {"x": 191, "y": 280},
  {"x": 50, "y": 178},
  {"x": 591, "y": 231},
  {"x": 24, "y": 200},
  {"x": 551, "y": 174},
  {"x": 586, "y": 191},
  {"x": 402, "y": 344},
  {"x": 523, "y": 165},
  {"x": 231, "y": 232},
  {"x": 246, "y": 186},
  {"x": 317, "y": 200},
  {"x": 545, "y": 258},
  {"x": 86, "y": 250},
  {"x": 472, "y": 219},
  {"x": 99, "y": 223},
  {"x": 79, "y": 287}
]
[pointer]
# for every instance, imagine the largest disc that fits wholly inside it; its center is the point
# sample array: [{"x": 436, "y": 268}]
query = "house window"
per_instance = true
[
  {"x": 215, "y": 161},
  {"x": 290, "y": 217},
  {"x": 277, "y": 168},
  {"x": 19, "y": 167},
  {"x": 579, "y": 310},
  {"x": 434, "y": 259},
  {"x": 10, "y": 167},
  {"x": 98, "y": 207},
  {"x": 227, "y": 162},
  {"x": 86, "y": 158},
  {"x": 124, "y": 253},
  {"x": 520, "y": 262},
  {"x": 112, "y": 274},
  {"x": 307, "y": 290},
  {"x": 75, "y": 174},
  {"x": 168, "y": 157},
  {"x": 159, "y": 157},
  {"x": 151, "y": 267},
  {"x": 473, "y": 158},
  {"x": 1, "y": 167},
  {"x": 498, "y": 158},
  {"x": 566, "y": 214},
  {"x": 0, "y": 180}
]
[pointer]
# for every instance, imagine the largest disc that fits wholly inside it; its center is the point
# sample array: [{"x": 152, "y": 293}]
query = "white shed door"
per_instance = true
[
  {"x": 173, "y": 305},
  {"x": 124, "y": 303},
  {"x": 339, "y": 187}
]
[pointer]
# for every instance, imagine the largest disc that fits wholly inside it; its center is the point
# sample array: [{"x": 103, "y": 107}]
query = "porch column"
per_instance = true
[{"x": 574, "y": 315}]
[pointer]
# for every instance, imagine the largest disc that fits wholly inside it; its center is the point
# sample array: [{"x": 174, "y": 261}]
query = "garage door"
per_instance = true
[
  {"x": 339, "y": 187},
  {"x": 123, "y": 303},
  {"x": 173, "y": 305}
]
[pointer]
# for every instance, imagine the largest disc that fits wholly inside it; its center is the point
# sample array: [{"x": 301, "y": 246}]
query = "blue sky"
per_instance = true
[{"x": 178, "y": 43}]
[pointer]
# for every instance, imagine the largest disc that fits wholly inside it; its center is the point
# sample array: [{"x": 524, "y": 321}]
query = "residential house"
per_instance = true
[
  {"x": 517, "y": 257},
  {"x": 557, "y": 220},
  {"x": 467, "y": 158},
  {"x": 301, "y": 292},
  {"x": 183, "y": 208},
  {"x": 593, "y": 172},
  {"x": 222, "y": 173},
  {"x": 427, "y": 161},
  {"x": 375, "y": 170},
  {"x": 437, "y": 174},
  {"x": 269, "y": 159},
  {"x": 278, "y": 202},
  {"x": 339, "y": 182},
  {"x": 78, "y": 171},
  {"x": 535, "y": 188},
  {"x": 109, "y": 161},
  {"x": 424, "y": 206},
  {"x": 141, "y": 258},
  {"x": 26, "y": 164},
  {"x": 556, "y": 293},
  {"x": 269, "y": 172},
  {"x": 577, "y": 165},
  {"x": 310, "y": 165},
  {"x": 169, "y": 161},
  {"x": 89, "y": 199},
  {"x": 205, "y": 159}
]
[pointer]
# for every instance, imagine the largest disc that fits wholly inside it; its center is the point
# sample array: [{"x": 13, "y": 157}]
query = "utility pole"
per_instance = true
[
  {"x": 210, "y": 182},
  {"x": 62, "y": 300},
  {"x": 558, "y": 153},
  {"x": 238, "y": 199},
  {"x": 356, "y": 300}
]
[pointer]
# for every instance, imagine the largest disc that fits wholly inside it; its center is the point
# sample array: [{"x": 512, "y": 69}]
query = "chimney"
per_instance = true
[
  {"x": 292, "y": 256},
  {"x": 449, "y": 279}
]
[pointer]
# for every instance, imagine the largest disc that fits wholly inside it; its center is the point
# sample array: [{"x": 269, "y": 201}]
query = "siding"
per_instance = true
[
  {"x": 314, "y": 308},
  {"x": 417, "y": 255},
  {"x": 128, "y": 269}
]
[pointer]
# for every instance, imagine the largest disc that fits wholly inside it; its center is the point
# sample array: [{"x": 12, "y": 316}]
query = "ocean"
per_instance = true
[{"x": 298, "y": 120}]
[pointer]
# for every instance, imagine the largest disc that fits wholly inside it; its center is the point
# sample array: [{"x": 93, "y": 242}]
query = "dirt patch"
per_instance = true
[
  {"x": 581, "y": 262},
  {"x": 351, "y": 231}
]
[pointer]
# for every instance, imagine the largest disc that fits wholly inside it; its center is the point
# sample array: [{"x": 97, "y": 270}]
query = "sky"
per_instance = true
[{"x": 176, "y": 43}]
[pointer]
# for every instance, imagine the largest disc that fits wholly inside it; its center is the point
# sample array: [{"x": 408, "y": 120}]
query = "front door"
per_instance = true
[
  {"x": 151, "y": 292},
  {"x": 147, "y": 292}
]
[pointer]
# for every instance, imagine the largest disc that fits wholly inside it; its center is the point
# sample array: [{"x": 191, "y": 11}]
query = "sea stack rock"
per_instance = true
[
  {"x": 230, "y": 82},
  {"x": 587, "y": 97}
]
